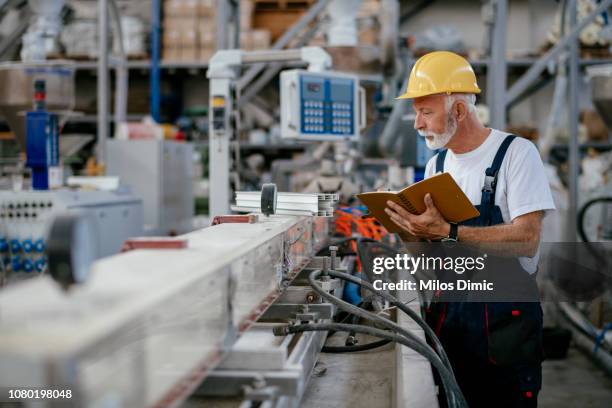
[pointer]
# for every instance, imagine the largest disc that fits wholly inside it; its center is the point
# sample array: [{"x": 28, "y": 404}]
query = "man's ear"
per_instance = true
[{"x": 461, "y": 110}]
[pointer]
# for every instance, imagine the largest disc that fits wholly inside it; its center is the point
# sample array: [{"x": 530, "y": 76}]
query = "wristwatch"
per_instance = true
[{"x": 452, "y": 235}]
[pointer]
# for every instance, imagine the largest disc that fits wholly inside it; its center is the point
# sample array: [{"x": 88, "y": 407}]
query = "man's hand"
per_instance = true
[{"x": 429, "y": 225}]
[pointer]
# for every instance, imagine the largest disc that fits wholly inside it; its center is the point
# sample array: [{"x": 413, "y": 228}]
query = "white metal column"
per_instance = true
[{"x": 497, "y": 74}]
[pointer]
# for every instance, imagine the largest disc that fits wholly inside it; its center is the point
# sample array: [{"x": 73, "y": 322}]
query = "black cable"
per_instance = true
[
  {"x": 386, "y": 323},
  {"x": 453, "y": 393},
  {"x": 352, "y": 348},
  {"x": 601, "y": 258},
  {"x": 583, "y": 211},
  {"x": 356, "y": 348},
  {"x": 395, "y": 302}
]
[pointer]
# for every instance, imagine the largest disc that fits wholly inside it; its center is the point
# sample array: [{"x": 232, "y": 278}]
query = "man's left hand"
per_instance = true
[{"x": 429, "y": 225}]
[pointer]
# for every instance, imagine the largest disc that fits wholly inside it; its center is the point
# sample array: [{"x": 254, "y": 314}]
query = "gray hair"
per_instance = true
[{"x": 468, "y": 98}]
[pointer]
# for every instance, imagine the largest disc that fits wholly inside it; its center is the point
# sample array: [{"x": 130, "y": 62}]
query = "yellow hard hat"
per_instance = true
[{"x": 440, "y": 72}]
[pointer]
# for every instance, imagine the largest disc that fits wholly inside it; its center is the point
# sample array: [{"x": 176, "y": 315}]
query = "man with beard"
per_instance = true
[{"x": 494, "y": 348}]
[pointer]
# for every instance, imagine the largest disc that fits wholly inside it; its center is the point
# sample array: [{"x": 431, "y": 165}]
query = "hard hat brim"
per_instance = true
[{"x": 412, "y": 94}]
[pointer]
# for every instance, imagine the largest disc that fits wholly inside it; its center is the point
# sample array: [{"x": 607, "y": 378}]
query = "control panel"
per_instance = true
[{"x": 324, "y": 106}]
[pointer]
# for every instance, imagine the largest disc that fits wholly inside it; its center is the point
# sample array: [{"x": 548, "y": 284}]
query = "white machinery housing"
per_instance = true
[
  {"x": 168, "y": 316},
  {"x": 323, "y": 106},
  {"x": 26, "y": 216},
  {"x": 160, "y": 172}
]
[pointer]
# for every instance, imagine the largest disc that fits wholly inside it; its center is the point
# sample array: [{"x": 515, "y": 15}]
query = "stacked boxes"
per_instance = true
[
  {"x": 277, "y": 16},
  {"x": 369, "y": 23},
  {"x": 255, "y": 40},
  {"x": 251, "y": 39},
  {"x": 189, "y": 30}
]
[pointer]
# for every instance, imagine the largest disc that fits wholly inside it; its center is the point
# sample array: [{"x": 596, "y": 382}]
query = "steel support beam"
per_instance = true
[
  {"x": 103, "y": 80},
  {"x": 228, "y": 24},
  {"x": 14, "y": 37},
  {"x": 574, "y": 152},
  {"x": 497, "y": 75},
  {"x": 536, "y": 69},
  {"x": 271, "y": 72},
  {"x": 415, "y": 10},
  {"x": 155, "y": 83}
]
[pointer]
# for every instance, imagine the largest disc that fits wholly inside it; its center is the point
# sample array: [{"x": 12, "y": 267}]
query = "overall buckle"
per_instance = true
[{"x": 489, "y": 183}]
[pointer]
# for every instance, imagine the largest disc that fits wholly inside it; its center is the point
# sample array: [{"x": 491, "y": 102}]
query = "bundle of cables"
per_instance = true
[{"x": 394, "y": 332}]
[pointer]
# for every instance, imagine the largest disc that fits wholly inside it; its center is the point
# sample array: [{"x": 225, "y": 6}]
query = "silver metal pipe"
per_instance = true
[
  {"x": 121, "y": 80},
  {"x": 271, "y": 56},
  {"x": 574, "y": 152},
  {"x": 390, "y": 134},
  {"x": 103, "y": 81}
]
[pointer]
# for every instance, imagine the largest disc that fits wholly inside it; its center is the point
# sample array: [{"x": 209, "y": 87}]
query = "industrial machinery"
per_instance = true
[
  {"x": 42, "y": 142},
  {"x": 161, "y": 173},
  {"x": 35, "y": 196},
  {"x": 192, "y": 316},
  {"x": 25, "y": 217},
  {"x": 325, "y": 106},
  {"x": 315, "y": 105},
  {"x": 169, "y": 315}
]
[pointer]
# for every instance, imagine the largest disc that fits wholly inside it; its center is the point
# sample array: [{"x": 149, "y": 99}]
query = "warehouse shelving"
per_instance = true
[{"x": 144, "y": 64}]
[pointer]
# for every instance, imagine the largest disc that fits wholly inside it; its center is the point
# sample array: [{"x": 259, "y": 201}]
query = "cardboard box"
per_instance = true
[
  {"x": 171, "y": 8},
  {"x": 369, "y": 36},
  {"x": 260, "y": 39},
  {"x": 595, "y": 126},
  {"x": 171, "y": 54},
  {"x": 171, "y": 36},
  {"x": 246, "y": 15},
  {"x": 206, "y": 54},
  {"x": 246, "y": 41},
  {"x": 206, "y": 8},
  {"x": 207, "y": 23},
  {"x": 181, "y": 31},
  {"x": 190, "y": 54},
  {"x": 190, "y": 37},
  {"x": 208, "y": 37},
  {"x": 189, "y": 8}
]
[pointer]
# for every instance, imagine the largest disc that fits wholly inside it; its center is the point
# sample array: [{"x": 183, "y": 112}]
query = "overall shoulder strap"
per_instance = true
[
  {"x": 491, "y": 172},
  {"x": 440, "y": 161}
]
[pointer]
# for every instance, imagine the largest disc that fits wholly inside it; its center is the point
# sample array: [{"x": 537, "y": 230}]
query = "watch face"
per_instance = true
[{"x": 449, "y": 242}]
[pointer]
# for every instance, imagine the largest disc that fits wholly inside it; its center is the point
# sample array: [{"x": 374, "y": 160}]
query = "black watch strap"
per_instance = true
[{"x": 454, "y": 228}]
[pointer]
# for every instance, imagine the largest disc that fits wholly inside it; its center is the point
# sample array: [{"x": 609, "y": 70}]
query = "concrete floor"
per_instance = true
[
  {"x": 574, "y": 382},
  {"x": 365, "y": 380},
  {"x": 356, "y": 380}
]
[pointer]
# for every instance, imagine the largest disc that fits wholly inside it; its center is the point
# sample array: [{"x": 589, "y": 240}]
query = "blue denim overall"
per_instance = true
[{"x": 495, "y": 348}]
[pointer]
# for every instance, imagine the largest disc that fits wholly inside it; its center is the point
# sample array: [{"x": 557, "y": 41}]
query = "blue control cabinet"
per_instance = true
[
  {"x": 324, "y": 106},
  {"x": 42, "y": 147}
]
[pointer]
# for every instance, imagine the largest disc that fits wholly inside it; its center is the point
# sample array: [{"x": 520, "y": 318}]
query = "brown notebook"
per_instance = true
[{"x": 450, "y": 200}]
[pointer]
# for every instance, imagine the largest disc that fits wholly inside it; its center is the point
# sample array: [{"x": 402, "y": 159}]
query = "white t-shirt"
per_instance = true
[{"x": 522, "y": 186}]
